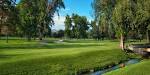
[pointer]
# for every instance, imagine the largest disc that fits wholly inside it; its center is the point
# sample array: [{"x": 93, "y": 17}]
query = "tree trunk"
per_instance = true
[
  {"x": 34, "y": 38},
  {"x": 28, "y": 35},
  {"x": 29, "y": 38},
  {"x": 7, "y": 37},
  {"x": 0, "y": 33},
  {"x": 148, "y": 36},
  {"x": 40, "y": 34},
  {"x": 122, "y": 41},
  {"x": 7, "y": 34}
]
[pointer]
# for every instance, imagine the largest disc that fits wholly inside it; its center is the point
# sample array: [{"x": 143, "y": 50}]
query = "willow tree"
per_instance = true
[
  {"x": 122, "y": 19},
  {"x": 68, "y": 26},
  {"x": 37, "y": 16},
  {"x": 103, "y": 12},
  {"x": 47, "y": 10},
  {"x": 141, "y": 21},
  {"x": 28, "y": 17},
  {"x": 95, "y": 32}
]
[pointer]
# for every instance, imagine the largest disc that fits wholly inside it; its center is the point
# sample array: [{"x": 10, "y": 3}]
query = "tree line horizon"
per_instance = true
[{"x": 113, "y": 19}]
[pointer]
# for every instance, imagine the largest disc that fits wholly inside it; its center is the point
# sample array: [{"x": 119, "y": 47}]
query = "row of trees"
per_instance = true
[
  {"x": 76, "y": 26},
  {"x": 122, "y": 16},
  {"x": 34, "y": 18}
]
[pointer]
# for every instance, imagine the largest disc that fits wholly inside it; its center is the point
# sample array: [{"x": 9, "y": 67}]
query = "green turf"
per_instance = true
[
  {"x": 142, "y": 68},
  {"x": 20, "y": 57}
]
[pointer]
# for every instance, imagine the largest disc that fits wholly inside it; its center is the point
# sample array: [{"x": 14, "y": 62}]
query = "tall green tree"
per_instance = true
[
  {"x": 83, "y": 27},
  {"x": 122, "y": 19},
  {"x": 103, "y": 12},
  {"x": 37, "y": 16},
  {"x": 75, "y": 19},
  {"x": 123, "y": 16},
  {"x": 68, "y": 26},
  {"x": 28, "y": 16},
  {"x": 95, "y": 30},
  {"x": 80, "y": 26},
  {"x": 141, "y": 20},
  {"x": 47, "y": 9}
]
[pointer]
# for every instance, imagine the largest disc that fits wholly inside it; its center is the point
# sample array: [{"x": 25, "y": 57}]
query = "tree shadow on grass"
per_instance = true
[
  {"x": 42, "y": 46},
  {"x": 2, "y": 56}
]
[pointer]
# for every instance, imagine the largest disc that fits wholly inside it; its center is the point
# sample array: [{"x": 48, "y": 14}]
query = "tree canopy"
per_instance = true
[
  {"x": 76, "y": 26},
  {"x": 37, "y": 16},
  {"x": 122, "y": 16}
]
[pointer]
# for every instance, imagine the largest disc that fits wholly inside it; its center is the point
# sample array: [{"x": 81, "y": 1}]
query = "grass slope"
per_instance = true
[
  {"x": 142, "y": 68},
  {"x": 20, "y": 57}
]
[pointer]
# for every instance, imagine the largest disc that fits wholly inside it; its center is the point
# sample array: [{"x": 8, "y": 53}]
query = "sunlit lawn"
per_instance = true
[
  {"x": 142, "y": 68},
  {"x": 20, "y": 57}
]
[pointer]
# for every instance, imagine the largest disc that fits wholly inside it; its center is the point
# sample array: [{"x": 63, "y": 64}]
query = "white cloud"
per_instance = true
[
  {"x": 90, "y": 20},
  {"x": 66, "y": 9},
  {"x": 59, "y": 22}
]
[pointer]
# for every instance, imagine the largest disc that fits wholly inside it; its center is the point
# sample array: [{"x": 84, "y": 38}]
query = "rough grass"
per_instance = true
[
  {"x": 20, "y": 57},
  {"x": 142, "y": 68}
]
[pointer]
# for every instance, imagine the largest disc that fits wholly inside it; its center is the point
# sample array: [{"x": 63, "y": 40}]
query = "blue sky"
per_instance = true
[{"x": 81, "y": 7}]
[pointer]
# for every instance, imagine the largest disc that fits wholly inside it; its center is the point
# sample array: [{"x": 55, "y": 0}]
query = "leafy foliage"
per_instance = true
[
  {"x": 37, "y": 16},
  {"x": 76, "y": 26},
  {"x": 68, "y": 26}
]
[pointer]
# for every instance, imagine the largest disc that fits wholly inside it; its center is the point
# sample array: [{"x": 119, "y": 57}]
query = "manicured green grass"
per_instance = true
[
  {"x": 142, "y": 68},
  {"x": 20, "y": 57}
]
